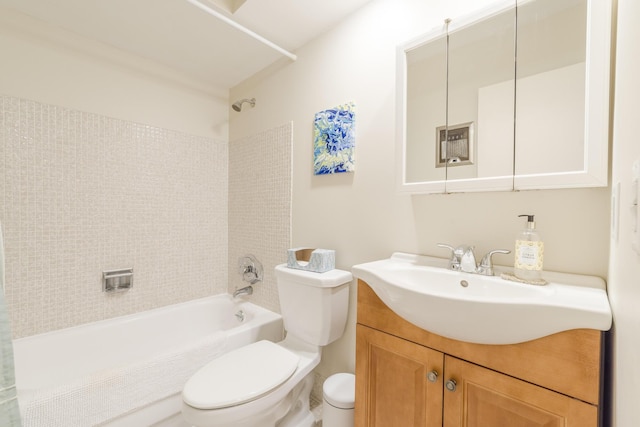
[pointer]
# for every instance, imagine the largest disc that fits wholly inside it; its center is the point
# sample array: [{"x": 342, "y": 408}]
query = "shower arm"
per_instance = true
[{"x": 242, "y": 28}]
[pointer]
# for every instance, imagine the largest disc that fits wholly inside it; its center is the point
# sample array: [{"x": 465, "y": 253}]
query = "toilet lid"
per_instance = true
[{"x": 240, "y": 376}]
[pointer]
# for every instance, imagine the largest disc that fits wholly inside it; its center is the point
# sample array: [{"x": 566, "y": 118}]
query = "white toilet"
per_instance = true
[{"x": 267, "y": 384}]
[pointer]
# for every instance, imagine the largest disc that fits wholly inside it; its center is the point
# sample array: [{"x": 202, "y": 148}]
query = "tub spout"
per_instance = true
[{"x": 247, "y": 290}]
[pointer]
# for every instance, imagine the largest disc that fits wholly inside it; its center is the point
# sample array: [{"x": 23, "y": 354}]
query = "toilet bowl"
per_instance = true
[
  {"x": 266, "y": 383},
  {"x": 259, "y": 395}
]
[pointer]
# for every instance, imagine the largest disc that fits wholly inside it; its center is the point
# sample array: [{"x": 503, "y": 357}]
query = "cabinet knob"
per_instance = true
[
  {"x": 432, "y": 376},
  {"x": 451, "y": 385}
]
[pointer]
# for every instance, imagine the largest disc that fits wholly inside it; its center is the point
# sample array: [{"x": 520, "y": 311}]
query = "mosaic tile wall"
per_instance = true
[
  {"x": 81, "y": 193},
  {"x": 260, "y": 207}
]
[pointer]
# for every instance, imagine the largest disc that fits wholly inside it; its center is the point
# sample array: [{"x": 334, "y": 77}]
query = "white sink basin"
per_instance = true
[{"x": 485, "y": 309}]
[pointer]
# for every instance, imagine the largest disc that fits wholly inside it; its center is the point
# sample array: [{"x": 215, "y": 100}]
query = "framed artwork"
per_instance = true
[{"x": 334, "y": 140}]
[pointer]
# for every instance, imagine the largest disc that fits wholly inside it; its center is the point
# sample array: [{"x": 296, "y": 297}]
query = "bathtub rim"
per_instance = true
[{"x": 28, "y": 350}]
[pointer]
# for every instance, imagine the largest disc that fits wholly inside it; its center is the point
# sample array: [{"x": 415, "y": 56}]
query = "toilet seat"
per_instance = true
[{"x": 248, "y": 373}]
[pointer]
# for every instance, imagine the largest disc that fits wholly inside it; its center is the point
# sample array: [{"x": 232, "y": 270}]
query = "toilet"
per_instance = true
[{"x": 265, "y": 384}]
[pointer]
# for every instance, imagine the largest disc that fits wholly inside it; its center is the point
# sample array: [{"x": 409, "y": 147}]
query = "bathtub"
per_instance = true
[{"x": 129, "y": 371}]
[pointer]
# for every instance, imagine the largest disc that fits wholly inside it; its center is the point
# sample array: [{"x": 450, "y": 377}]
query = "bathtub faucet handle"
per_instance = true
[{"x": 250, "y": 269}]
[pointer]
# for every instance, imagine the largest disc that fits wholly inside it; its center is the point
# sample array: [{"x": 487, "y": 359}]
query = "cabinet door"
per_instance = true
[
  {"x": 392, "y": 387},
  {"x": 485, "y": 398}
]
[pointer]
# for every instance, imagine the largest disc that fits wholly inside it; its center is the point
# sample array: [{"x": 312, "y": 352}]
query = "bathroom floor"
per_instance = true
[{"x": 316, "y": 409}]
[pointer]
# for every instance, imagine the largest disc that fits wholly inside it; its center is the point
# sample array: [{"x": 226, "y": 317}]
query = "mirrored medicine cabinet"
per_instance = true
[{"x": 514, "y": 97}]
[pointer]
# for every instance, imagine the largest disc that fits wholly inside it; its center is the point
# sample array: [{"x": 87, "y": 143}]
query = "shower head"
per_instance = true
[{"x": 237, "y": 106}]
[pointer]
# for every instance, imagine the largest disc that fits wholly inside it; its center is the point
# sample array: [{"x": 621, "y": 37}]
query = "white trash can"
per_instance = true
[{"x": 339, "y": 393}]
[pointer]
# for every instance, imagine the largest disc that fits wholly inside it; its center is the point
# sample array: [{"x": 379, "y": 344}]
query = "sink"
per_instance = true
[{"x": 485, "y": 309}]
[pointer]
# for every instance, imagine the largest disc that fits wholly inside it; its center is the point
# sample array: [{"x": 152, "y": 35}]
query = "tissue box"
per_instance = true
[{"x": 316, "y": 260}]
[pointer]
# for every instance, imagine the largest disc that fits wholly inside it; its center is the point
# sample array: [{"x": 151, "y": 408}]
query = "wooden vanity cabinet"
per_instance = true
[
  {"x": 406, "y": 376},
  {"x": 394, "y": 375}
]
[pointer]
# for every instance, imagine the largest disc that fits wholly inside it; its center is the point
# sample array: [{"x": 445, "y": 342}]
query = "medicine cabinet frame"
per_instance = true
[{"x": 596, "y": 114}]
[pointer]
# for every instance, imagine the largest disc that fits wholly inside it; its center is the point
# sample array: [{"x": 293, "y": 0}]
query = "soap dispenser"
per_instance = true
[{"x": 529, "y": 253}]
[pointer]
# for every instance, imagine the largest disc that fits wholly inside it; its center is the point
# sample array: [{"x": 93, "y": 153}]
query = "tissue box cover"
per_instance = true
[{"x": 316, "y": 260}]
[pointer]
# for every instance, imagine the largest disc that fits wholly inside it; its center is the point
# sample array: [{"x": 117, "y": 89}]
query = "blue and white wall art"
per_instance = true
[{"x": 334, "y": 140}]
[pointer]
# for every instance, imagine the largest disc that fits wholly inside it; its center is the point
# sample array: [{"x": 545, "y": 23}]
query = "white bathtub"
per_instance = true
[{"x": 129, "y": 371}]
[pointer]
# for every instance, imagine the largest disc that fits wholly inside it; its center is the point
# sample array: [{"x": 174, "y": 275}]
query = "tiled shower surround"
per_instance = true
[
  {"x": 81, "y": 193},
  {"x": 260, "y": 207}
]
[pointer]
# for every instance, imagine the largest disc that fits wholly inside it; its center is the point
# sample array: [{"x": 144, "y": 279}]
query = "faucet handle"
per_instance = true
[
  {"x": 444, "y": 245},
  {"x": 486, "y": 265},
  {"x": 459, "y": 251},
  {"x": 250, "y": 269},
  {"x": 456, "y": 254}
]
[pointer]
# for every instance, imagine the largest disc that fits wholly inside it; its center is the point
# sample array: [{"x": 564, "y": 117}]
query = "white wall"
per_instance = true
[
  {"x": 624, "y": 269},
  {"x": 360, "y": 215},
  {"x": 49, "y": 65}
]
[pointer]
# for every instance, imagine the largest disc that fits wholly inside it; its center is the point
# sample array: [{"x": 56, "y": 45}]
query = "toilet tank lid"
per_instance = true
[{"x": 328, "y": 279}]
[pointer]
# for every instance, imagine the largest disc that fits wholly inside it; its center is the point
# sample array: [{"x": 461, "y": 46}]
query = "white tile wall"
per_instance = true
[
  {"x": 260, "y": 207},
  {"x": 81, "y": 193}
]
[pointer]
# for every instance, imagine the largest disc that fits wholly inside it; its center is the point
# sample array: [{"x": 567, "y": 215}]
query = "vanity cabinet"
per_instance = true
[
  {"x": 393, "y": 373},
  {"x": 406, "y": 376}
]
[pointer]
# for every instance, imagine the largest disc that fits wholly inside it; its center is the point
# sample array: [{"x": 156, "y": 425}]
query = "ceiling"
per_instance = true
[{"x": 185, "y": 38}]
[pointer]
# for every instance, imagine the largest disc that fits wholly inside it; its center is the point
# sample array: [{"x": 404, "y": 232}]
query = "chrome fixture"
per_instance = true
[
  {"x": 117, "y": 280},
  {"x": 451, "y": 385},
  {"x": 251, "y": 269},
  {"x": 486, "y": 265},
  {"x": 237, "y": 106},
  {"x": 456, "y": 255},
  {"x": 468, "y": 261},
  {"x": 252, "y": 272},
  {"x": 463, "y": 259},
  {"x": 247, "y": 290}
]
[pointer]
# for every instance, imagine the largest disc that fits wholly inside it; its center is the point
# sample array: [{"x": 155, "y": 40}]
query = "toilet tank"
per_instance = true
[{"x": 314, "y": 306}]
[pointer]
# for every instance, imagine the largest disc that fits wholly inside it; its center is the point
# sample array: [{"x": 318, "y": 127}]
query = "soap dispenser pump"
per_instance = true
[{"x": 529, "y": 253}]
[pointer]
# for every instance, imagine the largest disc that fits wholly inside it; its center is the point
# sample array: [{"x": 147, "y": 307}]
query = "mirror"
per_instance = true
[
  {"x": 426, "y": 103},
  {"x": 481, "y": 57},
  {"x": 562, "y": 100},
  {"x": 473, "y": 118}
]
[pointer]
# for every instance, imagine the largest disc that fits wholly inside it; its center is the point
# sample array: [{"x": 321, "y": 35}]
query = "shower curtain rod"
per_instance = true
[{"x": 242, "y": 28}]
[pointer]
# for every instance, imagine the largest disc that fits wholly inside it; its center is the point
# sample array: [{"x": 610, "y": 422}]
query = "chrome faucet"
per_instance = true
[
  {"x": 247, "y": 290},
  {"x": 464, "y": 259},
  {"x": 252, "y": 272},
  {"x": 486, "y": 265},
  {"x": 456, "y": 255},
  {"x": 250, "y": 269},
  {"x": 468, "y": 261}
]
